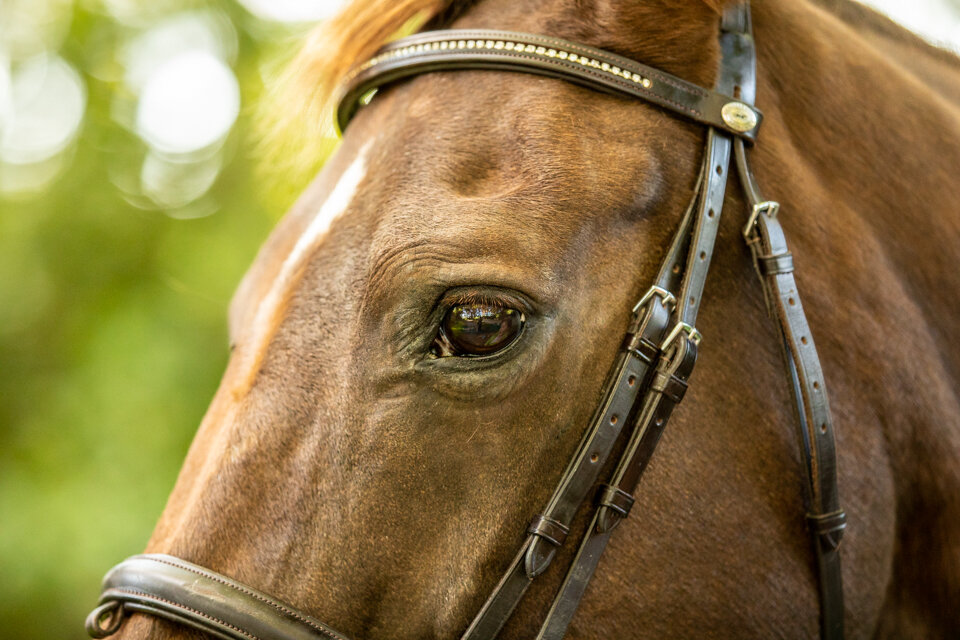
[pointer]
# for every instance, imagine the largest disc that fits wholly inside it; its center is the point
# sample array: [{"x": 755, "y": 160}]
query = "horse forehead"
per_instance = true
[
  {"x": 449, "y": 114},
  {"x": 496, "y": 143}
]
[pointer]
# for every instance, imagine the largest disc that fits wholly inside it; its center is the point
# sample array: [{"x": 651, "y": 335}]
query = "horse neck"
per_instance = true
[
  {"x": 862, "y": 138},
  {"x": 861, "y": 146},
  {"x": 856, "y": 95}
]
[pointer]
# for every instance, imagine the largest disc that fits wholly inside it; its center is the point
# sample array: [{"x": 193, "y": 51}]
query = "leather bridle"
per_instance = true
[{"x": 649, "y": 377}]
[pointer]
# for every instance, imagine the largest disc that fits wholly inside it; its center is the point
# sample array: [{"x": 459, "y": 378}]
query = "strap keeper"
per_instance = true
[
  {"x": 828, "y": 527},
  {"x": 670, "y": 386},
  {"x": 641, "y": 347},
  {"x": 772, "y": 265},
  {"x": 616, "y": 499},
  {"x": 550, "y": 530}
]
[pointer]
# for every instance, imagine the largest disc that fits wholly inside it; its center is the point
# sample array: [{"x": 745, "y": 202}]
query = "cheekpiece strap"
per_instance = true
[{"x": 458, "y": 49}]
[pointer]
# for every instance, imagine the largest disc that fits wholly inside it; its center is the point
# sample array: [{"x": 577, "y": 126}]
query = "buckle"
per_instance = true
[
  {"x": 768, "y": 207},
  {"x": 667, "y": 297},
  {"x": 682, "y": 327}
]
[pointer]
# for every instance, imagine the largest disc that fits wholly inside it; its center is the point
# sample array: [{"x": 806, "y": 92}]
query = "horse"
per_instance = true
[{"x": 355, "y": 464}]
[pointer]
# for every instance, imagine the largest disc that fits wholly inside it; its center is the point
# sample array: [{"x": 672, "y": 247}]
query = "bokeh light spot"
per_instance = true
[
  {"x": 188, "y": 104},
  {"x": 173, "y": 184},
  {"x": 199, "y": 30},
  {"x": 31, "y": 27},
  {"x": 44, "y": 110},
  {"x": 292, "y": 11}
]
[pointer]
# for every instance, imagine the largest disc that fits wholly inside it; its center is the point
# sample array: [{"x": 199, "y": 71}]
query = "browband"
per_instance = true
[{"x": 458, "y": 49}]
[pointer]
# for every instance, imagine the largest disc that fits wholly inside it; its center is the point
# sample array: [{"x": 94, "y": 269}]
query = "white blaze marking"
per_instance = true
[{"x": 333, "y": 207}]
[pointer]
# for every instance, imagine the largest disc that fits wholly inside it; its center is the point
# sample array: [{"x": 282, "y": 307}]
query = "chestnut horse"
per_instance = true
[{"x": 354, "y": 465}]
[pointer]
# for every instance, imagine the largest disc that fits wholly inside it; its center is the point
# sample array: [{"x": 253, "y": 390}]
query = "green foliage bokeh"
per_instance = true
[{"x": 112, "y": 342}]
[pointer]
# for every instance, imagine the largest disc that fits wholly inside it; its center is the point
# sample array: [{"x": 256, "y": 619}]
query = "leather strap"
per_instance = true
[
  {"x": 458, "y": 49},
  {"x": 669, "y": 383},
  {"x": 177, "y": 590},
  {"x": 652, "y": 316},
  {"x": 629, "y": 376},
  {"x": 827, "y": 520},
  {"x": 774, "y": 265},
  {"x": 665, "y": 393},
  {"x": 707, "y": 223}
]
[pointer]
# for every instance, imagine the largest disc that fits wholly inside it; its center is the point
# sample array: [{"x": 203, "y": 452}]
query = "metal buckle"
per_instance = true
[
  {"x": 668, "y": 298},
  {"x": 682, "y": 327},
  {"x": 768, "y": 207}
]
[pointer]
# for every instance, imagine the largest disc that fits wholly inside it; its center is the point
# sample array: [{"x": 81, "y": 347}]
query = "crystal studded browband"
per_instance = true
[{"x": 510, "y": 51}]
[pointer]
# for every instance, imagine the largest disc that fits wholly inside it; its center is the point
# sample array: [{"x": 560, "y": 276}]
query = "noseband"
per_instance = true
[{"x": 647, "y": 381}]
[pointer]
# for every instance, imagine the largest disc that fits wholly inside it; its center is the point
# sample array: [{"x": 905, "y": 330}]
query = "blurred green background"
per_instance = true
[{"x": 130, "y": 206}]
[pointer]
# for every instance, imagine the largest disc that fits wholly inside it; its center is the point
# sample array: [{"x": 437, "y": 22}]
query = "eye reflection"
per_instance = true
[{"x": 478, "y": 329}]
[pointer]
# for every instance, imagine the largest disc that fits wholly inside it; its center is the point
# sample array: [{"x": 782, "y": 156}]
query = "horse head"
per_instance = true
[{"x": 422, "y": 340}]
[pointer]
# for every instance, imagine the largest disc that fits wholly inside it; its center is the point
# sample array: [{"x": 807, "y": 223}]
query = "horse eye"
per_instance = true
[{"x": 477, "y": 330}]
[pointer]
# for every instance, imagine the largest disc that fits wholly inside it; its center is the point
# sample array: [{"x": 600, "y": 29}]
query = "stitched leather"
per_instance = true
[
  {"x": 420, "y": 53},
  {"x": 623, "y": 387},
  {"x": 177, "y": 590},
  {"x": 669, "y": 382}
]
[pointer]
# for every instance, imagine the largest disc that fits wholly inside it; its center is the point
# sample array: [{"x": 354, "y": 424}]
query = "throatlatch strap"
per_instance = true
[
  {"x": 826, "y": 519},
  {"x": 774, "y": 264}
]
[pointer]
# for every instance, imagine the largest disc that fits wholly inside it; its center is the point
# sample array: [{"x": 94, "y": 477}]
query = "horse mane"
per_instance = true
[{"x": 296, "y": 113}]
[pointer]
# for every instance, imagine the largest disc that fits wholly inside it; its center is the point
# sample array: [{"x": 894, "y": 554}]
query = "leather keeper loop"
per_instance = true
[
  {"x": 772, "y": 265},
  {"x": 642, "y": 348},
  {"x": 616, "y": 499},
  {"x": 670, "y": 386},
  {"x": 550, "y": 530},
  {"x": 828, "y": 527}
]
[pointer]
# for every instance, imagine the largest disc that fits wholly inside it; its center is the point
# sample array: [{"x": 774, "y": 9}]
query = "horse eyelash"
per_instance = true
[{"x": 481, "y": 298}]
